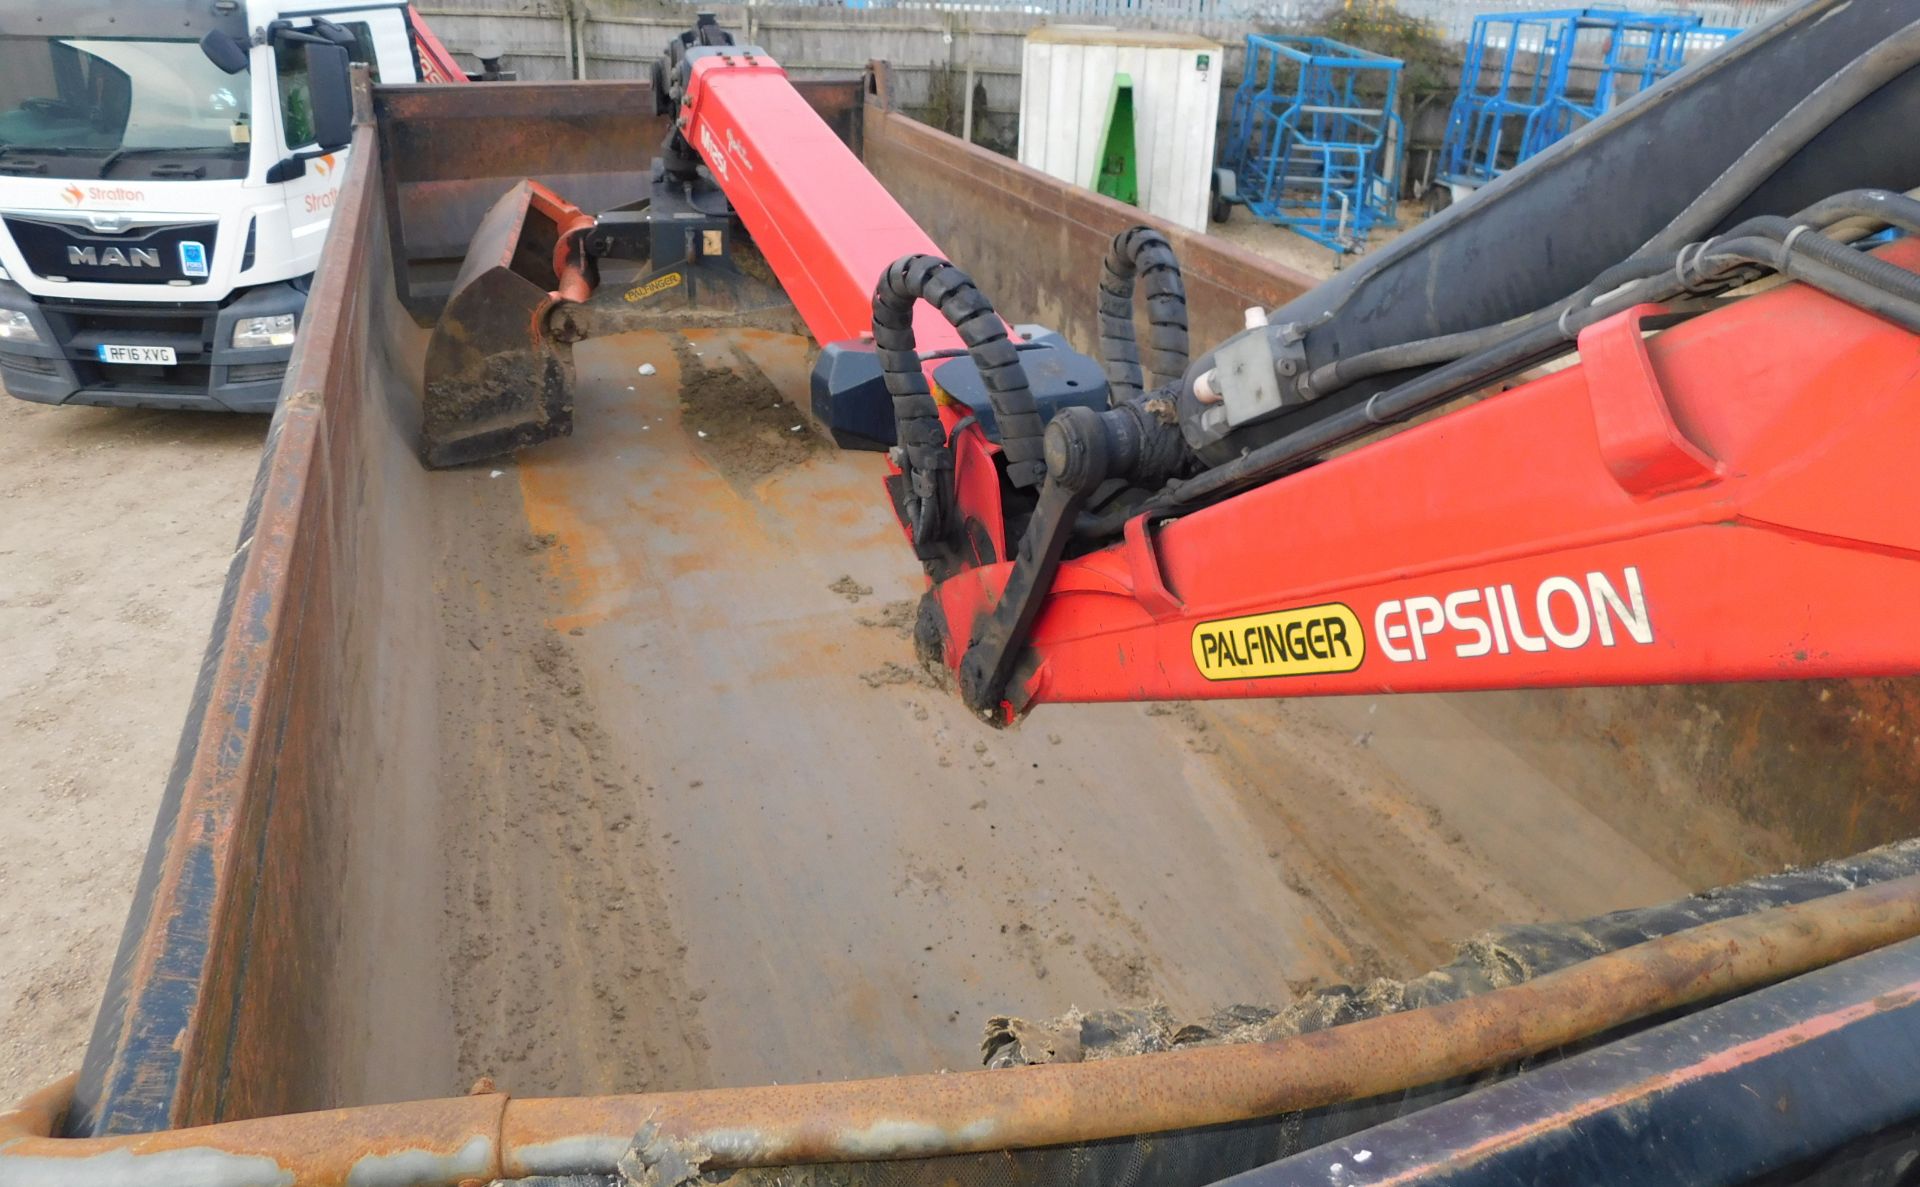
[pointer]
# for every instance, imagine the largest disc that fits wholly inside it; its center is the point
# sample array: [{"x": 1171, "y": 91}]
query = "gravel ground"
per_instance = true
[
  {"x": 115, "y": 530},
  {"x": 1297, "y": 251}
]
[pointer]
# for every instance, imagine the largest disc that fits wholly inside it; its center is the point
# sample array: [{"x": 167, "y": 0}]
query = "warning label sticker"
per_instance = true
[
  {"x": 658, "y": 284},
  {"x": 1309, "y": 641}
]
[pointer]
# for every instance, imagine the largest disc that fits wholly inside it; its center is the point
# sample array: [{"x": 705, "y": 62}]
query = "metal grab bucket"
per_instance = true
[{"x": 497, "y": 377}]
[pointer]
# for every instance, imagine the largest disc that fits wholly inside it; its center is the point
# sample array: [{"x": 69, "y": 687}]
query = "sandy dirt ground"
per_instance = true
[
  {"x": 1297, "y": 251},
  {"x": 115, "y": 531}
]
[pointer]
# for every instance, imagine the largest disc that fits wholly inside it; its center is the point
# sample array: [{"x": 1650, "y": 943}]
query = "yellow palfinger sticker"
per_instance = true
[
  {"x": 1308, "y": 641},
  {"x": 658, "y": 284}
]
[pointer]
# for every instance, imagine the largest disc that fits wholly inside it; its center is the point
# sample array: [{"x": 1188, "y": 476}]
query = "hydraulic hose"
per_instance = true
[
  {"x": 922, "y": 438},
  {"x": 1426, "y": 352},
  {"x": 1144, "y": 253},
  {"x": 1808, "y": 118},
  {"x": 1789, "y": 248},
  {"x": 1860, "y": 78},
  {"x": 1879, "y": 206},
  {"x": 1868, "y": 282},
  {"x": 1423, "y": 352},
  {"x": 1843, "y": 273}
]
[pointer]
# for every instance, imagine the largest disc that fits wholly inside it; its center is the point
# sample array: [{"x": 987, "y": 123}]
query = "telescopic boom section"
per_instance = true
[
  {"x": 1730, "y": 501},
  {"x": 827, "y": 228}
]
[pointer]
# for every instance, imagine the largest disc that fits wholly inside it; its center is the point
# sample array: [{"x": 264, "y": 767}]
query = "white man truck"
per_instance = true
[{"x": 168, "y": 169}]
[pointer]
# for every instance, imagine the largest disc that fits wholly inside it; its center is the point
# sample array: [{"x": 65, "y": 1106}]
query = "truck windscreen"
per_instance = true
[{"x": 124, "y": 107}]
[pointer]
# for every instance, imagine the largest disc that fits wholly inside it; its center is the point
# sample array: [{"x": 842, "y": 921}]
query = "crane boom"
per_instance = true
[{"x": 1716, "y": 490}]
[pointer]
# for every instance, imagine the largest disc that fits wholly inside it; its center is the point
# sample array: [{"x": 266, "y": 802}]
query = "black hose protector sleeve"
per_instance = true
[
  {"x": 916, "y": 416},
  {"x": 1860, "y": 265},
  {"x": 1143, "y": 253}
]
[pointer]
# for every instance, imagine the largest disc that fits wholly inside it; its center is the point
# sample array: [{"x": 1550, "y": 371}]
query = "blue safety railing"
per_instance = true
[
  {"x": 1516, "y": 96},
  {"x": 1315, "y": 142}
]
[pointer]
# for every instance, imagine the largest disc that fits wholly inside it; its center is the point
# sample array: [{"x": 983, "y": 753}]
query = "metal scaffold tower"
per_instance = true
[
  {"x": 1518, "y": 91},
  {"x": 1316, "y": 142}
]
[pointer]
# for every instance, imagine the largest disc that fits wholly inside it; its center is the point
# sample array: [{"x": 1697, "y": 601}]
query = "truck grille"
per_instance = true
[
  {"x": 191, "y": 325},
  {"x": 138, "y": 255},
  {"x": 102, "y": 377},
  {"x": 81, "y": 328}
]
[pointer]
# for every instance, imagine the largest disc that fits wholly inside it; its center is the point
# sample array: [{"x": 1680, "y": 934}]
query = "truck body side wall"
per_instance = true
[
  {"x": 1035, "y": 244},
  {"x": 252, "y": 938},
  {"x": 284, "y": 951}
]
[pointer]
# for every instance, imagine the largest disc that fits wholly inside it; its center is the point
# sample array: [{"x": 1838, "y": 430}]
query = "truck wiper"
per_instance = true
[
  {"x": 18, "y": 158},
  {"x": 22, "y": 162},
  {"x": 120, "y": 154}
]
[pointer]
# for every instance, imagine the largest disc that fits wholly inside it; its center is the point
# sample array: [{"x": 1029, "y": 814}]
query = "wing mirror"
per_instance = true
[
  {"x": 330, "y": 85},
  {"x": 223, "y": 51},
  {"x": 329, "y": 78}
]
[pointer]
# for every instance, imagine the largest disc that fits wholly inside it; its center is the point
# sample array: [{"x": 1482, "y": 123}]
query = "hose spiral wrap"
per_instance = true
[
  {"x": 925, "y": 456},
  {"x": 1142, "y": 254}
]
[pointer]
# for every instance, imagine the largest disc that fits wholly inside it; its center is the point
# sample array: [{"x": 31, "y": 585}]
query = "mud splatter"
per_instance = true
[
  {"x": 850, "y": 589},
  {"x": 1125, "y": 973},
  {"x": 737, "y": 418},
  {"x": 897, "y": 617},
  {"x": 890, "y": 674}
]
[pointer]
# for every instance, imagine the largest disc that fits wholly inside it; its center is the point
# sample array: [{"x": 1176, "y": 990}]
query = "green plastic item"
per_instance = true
[{"x": 1119, "y": 161}]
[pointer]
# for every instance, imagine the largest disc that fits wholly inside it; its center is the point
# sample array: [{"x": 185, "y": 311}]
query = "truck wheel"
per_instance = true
[{"x": 1219, "y": 209}]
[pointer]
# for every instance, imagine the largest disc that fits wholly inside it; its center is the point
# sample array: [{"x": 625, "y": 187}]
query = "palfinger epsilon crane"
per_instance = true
[{"x": 1717, "y": 490}]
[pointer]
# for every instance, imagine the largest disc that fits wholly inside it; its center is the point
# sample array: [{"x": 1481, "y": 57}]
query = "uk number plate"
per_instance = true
[{"x": 136, "y": 354}]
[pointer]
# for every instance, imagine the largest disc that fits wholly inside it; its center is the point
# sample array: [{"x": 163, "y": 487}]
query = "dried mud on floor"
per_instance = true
[
  {"x": 710, "y": 823},
  {"x": 565, "y": 955},
  {"x": 740, "y": 421}
]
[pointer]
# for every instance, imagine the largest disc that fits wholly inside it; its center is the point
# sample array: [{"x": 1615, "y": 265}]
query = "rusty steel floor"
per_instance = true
[{"x": 705, "y": 823}]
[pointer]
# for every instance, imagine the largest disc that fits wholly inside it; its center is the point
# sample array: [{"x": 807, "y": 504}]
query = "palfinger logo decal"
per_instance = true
[
  {"x": 1308, "y": 641},
  {"x": 658, "y": 284}
]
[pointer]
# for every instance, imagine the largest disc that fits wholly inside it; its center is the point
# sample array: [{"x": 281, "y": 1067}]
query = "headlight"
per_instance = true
[
  {"x": 253, "y": 333},
  {"x": 16, "y": 326}
]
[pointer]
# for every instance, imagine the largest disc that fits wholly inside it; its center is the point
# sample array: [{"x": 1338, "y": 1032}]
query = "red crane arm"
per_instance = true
[
  {"x": 436, "y": 63},
  {"x": 1730, "y": 500},
  {"x": 827, "y": 228}
]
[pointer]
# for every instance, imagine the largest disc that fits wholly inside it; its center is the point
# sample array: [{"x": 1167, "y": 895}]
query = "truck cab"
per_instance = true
[{"x": 168, "y": 170}]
